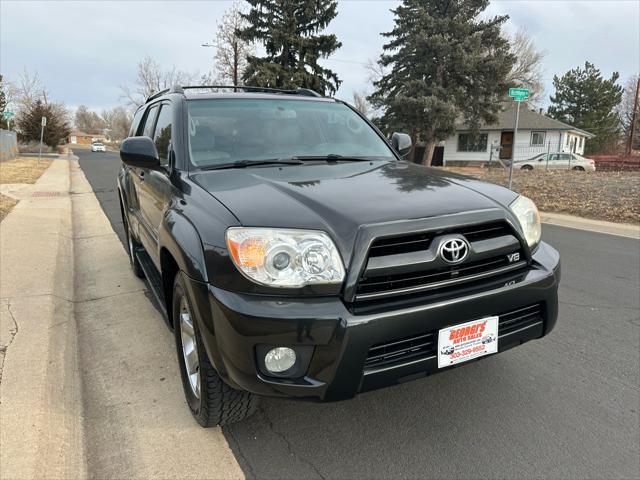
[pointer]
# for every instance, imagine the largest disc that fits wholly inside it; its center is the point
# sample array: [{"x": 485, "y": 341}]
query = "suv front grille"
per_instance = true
[
  {"x": 398, "y": 352},
  {"x": 409, "y": 263}
]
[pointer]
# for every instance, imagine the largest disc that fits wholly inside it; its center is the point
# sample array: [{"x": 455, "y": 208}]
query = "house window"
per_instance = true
[
  {"x": 567, "y": 142},
  {"x": 468, "y": 143},
  {"x": 580, "y": 144},
  {"x": 537, "y": 138}
]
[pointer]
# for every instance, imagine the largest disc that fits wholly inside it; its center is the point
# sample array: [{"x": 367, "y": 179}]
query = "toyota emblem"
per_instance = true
[{"x": 454, "y": 250}]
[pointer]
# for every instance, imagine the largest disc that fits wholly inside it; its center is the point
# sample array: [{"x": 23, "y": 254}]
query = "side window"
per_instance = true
[
  {"x": 149, "y": 120},
  {"x": 537, "y": 138},
  {"x": 162, "y": 135},
  {"x": 133, "y": 131}
]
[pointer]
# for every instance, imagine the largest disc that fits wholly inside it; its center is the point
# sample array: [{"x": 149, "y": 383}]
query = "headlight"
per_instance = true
[
  {"x": 529, "y": 219},
  {"x": 285, "y": 257}
]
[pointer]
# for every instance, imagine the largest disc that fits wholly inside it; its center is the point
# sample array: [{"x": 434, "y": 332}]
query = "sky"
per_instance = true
[{"x": 84, "y": 50}]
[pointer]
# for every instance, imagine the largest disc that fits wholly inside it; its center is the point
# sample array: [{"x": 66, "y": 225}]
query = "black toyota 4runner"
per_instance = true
[{"x": 296, "y": 253}]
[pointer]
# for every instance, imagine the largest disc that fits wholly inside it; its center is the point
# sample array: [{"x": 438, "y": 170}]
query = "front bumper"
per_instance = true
[{"x": 234, "y": 325}]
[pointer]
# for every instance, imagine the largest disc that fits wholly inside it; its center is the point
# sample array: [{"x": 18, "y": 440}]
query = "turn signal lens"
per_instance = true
[{"x": 249, "y": 253}]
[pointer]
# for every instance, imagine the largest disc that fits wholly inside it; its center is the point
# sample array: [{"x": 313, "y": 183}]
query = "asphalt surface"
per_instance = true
[{"x": 566, "y": 406}]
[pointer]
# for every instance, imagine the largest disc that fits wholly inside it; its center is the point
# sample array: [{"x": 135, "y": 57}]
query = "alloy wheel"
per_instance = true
[{"x": 189, "y": 347}]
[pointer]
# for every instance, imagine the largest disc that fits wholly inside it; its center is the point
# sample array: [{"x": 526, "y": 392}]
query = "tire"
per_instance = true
[
  {"x": 526, "y": 167},
  {"x": 578, "y": 169},
  {"x": 211, "y": 401},
  {"x": 132, "y": 246}
]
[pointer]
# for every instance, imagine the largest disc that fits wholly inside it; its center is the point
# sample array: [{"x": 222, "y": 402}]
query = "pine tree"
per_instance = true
[
  {"x": 290, "y": 32},
  {"x": 586, "y": 100},
  {"x": 3, "y": 104},
  {"x": 444, "y": 64},
  {"x": 29, "y": 124}
]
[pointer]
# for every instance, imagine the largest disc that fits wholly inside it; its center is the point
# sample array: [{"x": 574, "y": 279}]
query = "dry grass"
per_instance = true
[
  {"x": 23, "y": 170},
  {"x": 611, "y": 196},
  {"x": 6, "y": 204}
]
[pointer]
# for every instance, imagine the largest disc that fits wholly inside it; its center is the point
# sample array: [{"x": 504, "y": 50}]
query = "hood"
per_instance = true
[{"x": 340, "y": 197}]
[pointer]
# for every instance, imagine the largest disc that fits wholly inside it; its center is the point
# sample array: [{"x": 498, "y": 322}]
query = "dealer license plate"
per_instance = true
[{"x": 466, "y": 341}]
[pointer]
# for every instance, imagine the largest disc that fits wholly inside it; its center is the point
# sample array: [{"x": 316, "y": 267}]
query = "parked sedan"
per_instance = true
[
  {"x": 557, "y": 161},
  {"x": 98, "y": 147}
]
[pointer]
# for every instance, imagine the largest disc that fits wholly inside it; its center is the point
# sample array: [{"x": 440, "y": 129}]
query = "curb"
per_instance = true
[{"x": 599, "y": 226}]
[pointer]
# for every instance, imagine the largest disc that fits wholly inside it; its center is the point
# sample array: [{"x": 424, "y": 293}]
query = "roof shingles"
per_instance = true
[{"x": 529, "y": 120}]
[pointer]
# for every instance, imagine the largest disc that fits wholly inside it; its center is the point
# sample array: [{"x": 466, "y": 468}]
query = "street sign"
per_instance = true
[
  {"x": 44, "y": 121},
  {"x": 7, "y": 114},
  {"x": 519, "y": 94}
]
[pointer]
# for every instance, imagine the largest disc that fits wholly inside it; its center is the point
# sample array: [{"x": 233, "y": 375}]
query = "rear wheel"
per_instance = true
[
  {"x": 211, "y": 401},
  {"x": 132, "y": 247},
  {"x": 526, "y": 167}
]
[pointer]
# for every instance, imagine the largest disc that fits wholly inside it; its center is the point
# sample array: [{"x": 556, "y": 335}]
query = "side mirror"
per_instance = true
[
  {"x": 402, "y": 143},
  {"x": 139, "y": 152}
]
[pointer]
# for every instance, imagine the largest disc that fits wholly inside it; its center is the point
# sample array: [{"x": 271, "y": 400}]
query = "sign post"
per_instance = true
[
  {"x": 8, "y": 116},
  {"x": 43, "y": 123},
  {"x": 519, "y": 95}
]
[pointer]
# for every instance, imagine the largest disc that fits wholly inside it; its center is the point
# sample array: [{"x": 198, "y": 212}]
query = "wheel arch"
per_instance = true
[
  {"x": 180, "y": 251},
  {"x": 179, "y": 237}
]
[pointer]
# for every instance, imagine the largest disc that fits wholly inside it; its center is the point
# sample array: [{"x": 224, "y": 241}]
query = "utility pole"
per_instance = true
[{"x": 633, "y": 118}]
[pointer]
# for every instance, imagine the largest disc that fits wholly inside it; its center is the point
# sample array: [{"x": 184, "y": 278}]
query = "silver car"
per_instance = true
[
  {"x": 98, "y": 147},
  {"x": 557, "y": 161}
]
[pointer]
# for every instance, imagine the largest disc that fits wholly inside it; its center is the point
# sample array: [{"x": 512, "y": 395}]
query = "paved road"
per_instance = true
[{"x": 566, "y": 406}]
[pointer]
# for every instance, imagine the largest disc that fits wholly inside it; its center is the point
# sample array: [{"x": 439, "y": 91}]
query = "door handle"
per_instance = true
[{"x": 141, "y": 175}]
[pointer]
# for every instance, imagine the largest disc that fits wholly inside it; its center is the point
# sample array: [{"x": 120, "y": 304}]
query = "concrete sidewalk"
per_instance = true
[
  {"x": 41, "y": 434},
  {"x": 90, "y": 386}
]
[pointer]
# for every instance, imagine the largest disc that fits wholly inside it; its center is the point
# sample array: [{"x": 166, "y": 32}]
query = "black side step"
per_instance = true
[{"x": 154, "y": 279}]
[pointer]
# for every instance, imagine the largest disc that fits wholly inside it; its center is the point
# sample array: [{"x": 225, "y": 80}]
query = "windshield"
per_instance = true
[{"x": 229, "y": 130}]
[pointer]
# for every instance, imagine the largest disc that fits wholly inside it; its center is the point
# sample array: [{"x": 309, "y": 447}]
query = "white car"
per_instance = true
[
  {"x": 448, "y": 350},
  {"x": 98, "y": 147},
  {"x": 557, "y": 161}
]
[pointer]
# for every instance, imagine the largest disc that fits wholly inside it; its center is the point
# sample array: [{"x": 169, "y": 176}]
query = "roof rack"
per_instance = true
[
  {"x": 298, "y": 91},
  {"x": 174, "y": 89}
]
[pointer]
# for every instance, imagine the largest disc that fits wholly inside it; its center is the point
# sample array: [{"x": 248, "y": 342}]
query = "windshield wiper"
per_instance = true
[
  {"x": 334, "y": 157},
  {"x": 252, "y": 163}
]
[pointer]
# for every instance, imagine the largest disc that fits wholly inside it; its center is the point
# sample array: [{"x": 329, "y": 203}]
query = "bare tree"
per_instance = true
[
  {"x": 150, "y": 79},
  {"x": 625, "y": 110},
  {"x": 88, "y": 120},
  {"x": 361, "y": 103},
  {"x": 117, "y": 122},
  {"x": 375, "y": 70},
  {"x": 25, "y": 91},
  {"x": 527, "y": 71},
  {"x": 230, "y": 59}
]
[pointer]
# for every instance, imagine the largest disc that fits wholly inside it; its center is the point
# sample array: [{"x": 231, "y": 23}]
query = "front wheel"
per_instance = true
[
  {"x": 578, "y": 168},
  {"x": 526, "y": 167},
  {"x": 211, "y": 401}
]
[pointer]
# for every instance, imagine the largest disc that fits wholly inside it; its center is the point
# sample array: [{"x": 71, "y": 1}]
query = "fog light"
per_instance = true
[{"x": 280, "y": 359}]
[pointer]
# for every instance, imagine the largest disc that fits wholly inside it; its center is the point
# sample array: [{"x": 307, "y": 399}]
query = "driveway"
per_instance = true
[{"x": 563, "y": 407}]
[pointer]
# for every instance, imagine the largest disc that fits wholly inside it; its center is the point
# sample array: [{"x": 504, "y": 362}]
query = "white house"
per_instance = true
[{"x": 537, "y": 134}]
